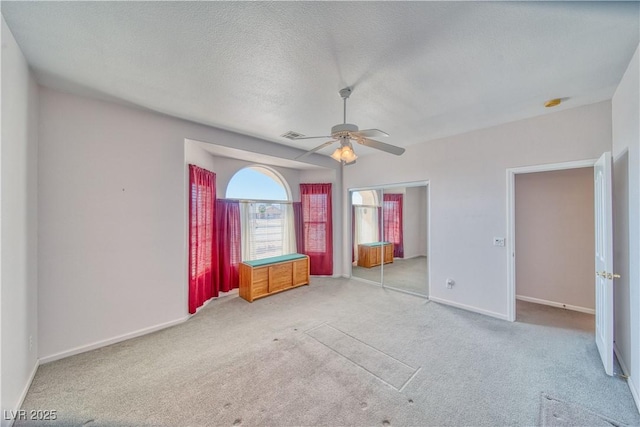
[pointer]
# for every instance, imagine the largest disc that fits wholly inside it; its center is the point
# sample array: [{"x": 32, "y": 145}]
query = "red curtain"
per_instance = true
[
  {"x": 317, "y": 225},
  {"x": 229, "y": 252},
  {"x": 392, "y": 218},
  {"x": 202, "y": 238},
  {"x": 299, "y": 226}
]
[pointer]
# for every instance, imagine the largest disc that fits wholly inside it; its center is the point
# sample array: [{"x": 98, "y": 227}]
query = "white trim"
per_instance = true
[
  {"x": 428, "y": 254},
  {"x": 623, "y": 365},
  {"x": 556, "y": 304},
  {"x": 511, "y": 247},
  {"x": 114, "y": 340},
  {"x": 469, "y": 308},
  {"x": 23, "y": 395},
  {"x": 511, "y": 215}
]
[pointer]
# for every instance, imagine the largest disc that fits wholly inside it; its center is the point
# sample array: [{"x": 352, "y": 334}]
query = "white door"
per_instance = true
[{"x": 604, "y": 261}]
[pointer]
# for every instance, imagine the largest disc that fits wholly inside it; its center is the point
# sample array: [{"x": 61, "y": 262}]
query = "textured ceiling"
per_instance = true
[{"x": 420, "y": 70}]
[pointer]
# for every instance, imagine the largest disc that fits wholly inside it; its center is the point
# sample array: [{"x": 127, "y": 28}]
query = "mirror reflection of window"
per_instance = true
[{"x": 366, "y": 218}]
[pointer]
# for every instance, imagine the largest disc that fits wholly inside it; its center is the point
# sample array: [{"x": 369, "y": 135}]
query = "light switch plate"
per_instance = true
[{"x": 498, "y": 241}]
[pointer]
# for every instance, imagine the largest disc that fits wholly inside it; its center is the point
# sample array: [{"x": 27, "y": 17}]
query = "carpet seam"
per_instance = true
[
  {"x": 372, "y": 347},
  {"x": 416, "y": 370}
]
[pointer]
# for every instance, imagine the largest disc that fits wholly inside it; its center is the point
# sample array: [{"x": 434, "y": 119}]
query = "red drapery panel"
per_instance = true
[
  {"x": 299, "y": 226},
  {"x": 392, "y": 216},
  {"x": 202, "y": 237},
  {"x": 318, "y": 229},
  {"x": 229, "y": 253}
]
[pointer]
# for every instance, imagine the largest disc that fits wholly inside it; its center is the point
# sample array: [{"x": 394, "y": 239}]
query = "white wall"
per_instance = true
[
  {"x": 467, "y": 179},
  {"x": 19, "y": 225},
  {"x": 626, "y": 152},
  {"x": 554, "y": 228},
  {"x": 112, "y": 196}
]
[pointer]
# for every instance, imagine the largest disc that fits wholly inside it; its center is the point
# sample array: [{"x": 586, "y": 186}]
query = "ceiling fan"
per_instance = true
[{"x": 345, "y": 133}]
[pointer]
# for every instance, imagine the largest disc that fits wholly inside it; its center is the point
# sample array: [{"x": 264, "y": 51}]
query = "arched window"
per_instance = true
[
  {"x": 365, "y": 197},
  {"x": 258, "y": 183},
  {"x": 266, "y": 211}
]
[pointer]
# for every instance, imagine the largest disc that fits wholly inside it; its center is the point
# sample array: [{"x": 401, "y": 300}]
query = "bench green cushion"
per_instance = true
[
  {"x": 273, "y": 260},
  {"x": 374, "y": 244}
]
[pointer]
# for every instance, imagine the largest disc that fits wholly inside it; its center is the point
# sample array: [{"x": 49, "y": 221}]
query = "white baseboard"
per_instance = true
[
  {"x": 469, "y": 308},
  {"x": 557, "y": 304},
  {"x": 114, "y": 340},
  {"x": 23, "y": 395}
]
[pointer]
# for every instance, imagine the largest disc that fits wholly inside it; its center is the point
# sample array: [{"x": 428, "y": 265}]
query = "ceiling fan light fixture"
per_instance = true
[
  {"x": 337, "y": 155},
  {"x": 348, "y": 155},
  {"x": 344, "y": 154}
]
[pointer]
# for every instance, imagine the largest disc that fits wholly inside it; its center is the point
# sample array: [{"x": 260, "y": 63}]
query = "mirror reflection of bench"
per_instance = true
[
  {"x": 372, "y": 254},
  {"x": 262, "y": 277}
]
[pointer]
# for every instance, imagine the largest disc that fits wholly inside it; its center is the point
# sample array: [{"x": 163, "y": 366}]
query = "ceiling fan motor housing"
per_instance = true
[{"x": 343, "y": 130}]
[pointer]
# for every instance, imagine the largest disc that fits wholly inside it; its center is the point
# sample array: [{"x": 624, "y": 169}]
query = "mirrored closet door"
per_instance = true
[
  {"x": 404, "y": 213},
  {"x": 390, "y": 236}
]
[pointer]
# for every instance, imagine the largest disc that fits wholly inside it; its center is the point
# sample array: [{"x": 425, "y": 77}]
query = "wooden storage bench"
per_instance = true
[
  {"x": 372, "y": 254},
  {"x": 263, "y": 277}
]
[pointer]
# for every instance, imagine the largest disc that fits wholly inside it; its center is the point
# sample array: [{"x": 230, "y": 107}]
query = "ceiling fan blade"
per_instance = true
[
  {"x": 310, "y": 137},
  {"x": 380, "y": 146},
  {"x": 371, "y": 133},
  {"x": 319, "y": 147}
]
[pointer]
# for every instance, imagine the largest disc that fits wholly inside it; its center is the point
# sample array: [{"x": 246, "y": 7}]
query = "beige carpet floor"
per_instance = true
[
  {"x": 411, "y": 274},
  {"x": 337, "y": 352}
]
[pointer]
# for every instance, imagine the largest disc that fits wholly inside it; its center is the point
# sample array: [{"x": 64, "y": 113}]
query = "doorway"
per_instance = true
[{"x": 551, "y": 239}]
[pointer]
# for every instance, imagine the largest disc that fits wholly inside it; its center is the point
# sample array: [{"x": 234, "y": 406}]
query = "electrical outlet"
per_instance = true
[
  {"x": 30, "y": 342},
  {"x": 498, "y": 241},
  {"x": 450, "y": 283}
]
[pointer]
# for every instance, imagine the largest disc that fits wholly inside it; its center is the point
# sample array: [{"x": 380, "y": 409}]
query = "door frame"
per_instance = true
[
  {"x": 511, "y": 217},
  {"x": 424, "y": 183}
]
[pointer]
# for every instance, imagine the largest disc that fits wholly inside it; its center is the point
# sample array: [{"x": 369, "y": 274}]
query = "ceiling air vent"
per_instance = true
[{"x": 291, "y": 135}]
